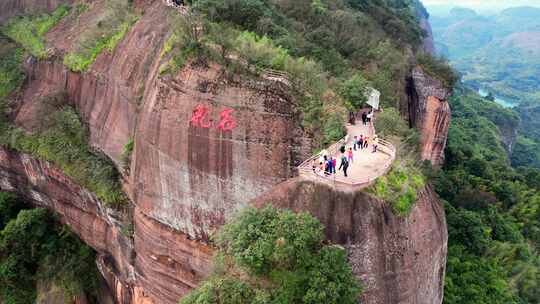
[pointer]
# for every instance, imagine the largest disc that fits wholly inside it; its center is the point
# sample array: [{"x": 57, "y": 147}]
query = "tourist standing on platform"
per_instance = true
[
  {"x": 364, "y": 118},
  {"x": 326, "y": 167},
  {"x": 361, "y": 142},
  {"x": 330, "y": 164},
  {"x": 355, "y": 142},
  {"x": 350, "y": 156},
  {"x": 344, "y": 164},
  {"x": 366, "y": 142},
  {"x": 334, "y": 165},
  {"x": 375, "y": 143}
]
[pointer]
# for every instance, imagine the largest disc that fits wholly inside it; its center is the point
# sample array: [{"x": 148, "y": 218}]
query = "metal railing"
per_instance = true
[{"x": 306, "y": 170}]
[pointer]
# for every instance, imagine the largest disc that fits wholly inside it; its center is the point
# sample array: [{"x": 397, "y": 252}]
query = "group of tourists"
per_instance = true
[
  {"x": 362, "y": 142},
  {"x": 366, "y": 117},
  {"x": 327, "y": 163},
  {"x": 175, "y": 3}
]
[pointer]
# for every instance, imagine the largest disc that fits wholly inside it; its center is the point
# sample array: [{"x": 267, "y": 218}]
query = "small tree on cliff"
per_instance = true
[{"x": 274, "y": 256}]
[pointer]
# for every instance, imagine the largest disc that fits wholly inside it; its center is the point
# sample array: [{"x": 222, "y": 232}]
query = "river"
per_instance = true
[{"x": 498, "y": 100}]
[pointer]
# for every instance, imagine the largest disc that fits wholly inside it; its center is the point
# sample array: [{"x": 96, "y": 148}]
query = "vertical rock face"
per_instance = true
[
  {"x": 430, "y": 113},
  {"x": 191, "y": 175},
  {"x": 156, "y": 265},
  {"x": 185, "y": 173},
  {"x": 397, "y": 259}
]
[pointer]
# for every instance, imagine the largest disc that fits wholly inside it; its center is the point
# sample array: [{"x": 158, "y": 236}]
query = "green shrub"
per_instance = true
[
  {"x": 11, "y": 72},
  {"x": 29, "y": 31},
  {"x": 64, "y": 141},
  {"x": 333, "y": 129},
  {"x": 390, "y": 123},
  {"x": 245, "y": 13},
  {"x": 279, "y": 257},
  {"x": 10, "y": 206},
  {"x": 260, "y": 51},
  {"x": 400, "y": 187},
  {"x": 355, "y": 91},
  {"x": 109, "y": 30},
  {"x": 126, "y": 153},
  {"x": 438, "y": 68},
  {"x": 222, "y": 290},
  {"x": 35, "y": 247}
]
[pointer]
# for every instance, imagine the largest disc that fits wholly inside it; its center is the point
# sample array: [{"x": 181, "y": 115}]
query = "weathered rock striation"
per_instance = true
[
  {"x": 206, "y": 144},
  {"x": 430, "y": 113},
  {"x": 397, "y": 259},
  {"x": 156, "y": 265}
]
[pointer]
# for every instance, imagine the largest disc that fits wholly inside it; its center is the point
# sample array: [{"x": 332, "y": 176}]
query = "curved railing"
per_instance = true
[{"x": 306, "y": 168}]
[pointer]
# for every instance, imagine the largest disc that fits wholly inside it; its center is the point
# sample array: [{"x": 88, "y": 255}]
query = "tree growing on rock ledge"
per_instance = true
[{"x": 274, "y": 256}]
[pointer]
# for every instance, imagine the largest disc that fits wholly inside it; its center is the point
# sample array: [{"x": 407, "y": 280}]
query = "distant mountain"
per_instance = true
[{"x": 498, "y": 53}]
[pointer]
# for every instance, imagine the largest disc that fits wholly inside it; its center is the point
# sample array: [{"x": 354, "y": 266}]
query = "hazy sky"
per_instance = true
[{"x": 483, "y": 4}]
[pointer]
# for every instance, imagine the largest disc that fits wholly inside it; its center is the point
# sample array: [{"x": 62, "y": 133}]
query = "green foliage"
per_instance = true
[
  {"x": 390, "y": 123},
  {"x": 109, "y": 29},
  {"x": 527, "y": 149},
  {"x": 352, "y": 37},
  {"x": 11, "y": 72},
  {"x": 438, "y": 68},
  {"x": 63, "y": 140},
  {"x": 355, "y": 91},
  {"x": 333, "y": 129},
  {"x": 261, "y": 51},
  {"x": 126, "y": 153},
  {"x": 9, "y": 208},
  {"x": 187, "y": 42},
  {"x": 32, "y": 247},
  {"x": 29, "y": 31},
  {"x": 492, "y": 211},
  {"x": 274, "y": 256},
  {"x": 400, "y": 187},
  {"x": 224, "y": 290},
  {"x": 267, "y": 239},
  {"x": 245, "y": 13},
  {"x": 474, "y": 279}
]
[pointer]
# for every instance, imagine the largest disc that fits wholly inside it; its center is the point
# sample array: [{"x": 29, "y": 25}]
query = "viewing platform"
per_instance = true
[{"x": 366, "y": 167}]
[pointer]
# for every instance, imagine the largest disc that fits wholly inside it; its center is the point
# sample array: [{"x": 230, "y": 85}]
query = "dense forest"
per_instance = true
[
  {"x": 35, "y": 249},
  {"x": 492, "y": 209}
]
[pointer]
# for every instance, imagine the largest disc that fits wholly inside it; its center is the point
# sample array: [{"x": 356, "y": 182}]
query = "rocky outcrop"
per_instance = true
[
  {"x": 430, "y": 113},
  {"x": 188, "y": 175},
  {"x": 155, "y": 265},
  {"x": 206, "y": 144},
  {"x": 397, "y": 259},
  {"x": 10, "y": 8}
]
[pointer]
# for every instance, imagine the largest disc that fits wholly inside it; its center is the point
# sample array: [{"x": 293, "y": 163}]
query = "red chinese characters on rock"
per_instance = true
[
  {"x": 199, "y": 115},
  {"x": 200, "y": 118},
  {"x": 226, "y": 123}
]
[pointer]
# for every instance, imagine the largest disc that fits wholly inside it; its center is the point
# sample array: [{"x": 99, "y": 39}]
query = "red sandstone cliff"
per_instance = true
[
  {"x": 157, "y": 265},
  {"x": 185, "y": 180},
  {"x": 397, "y": 259},
  {"x": 430, "y": 113}
]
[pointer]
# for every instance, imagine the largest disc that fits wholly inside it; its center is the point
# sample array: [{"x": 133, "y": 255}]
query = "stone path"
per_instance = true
[{"x": 366, "y": 165}]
